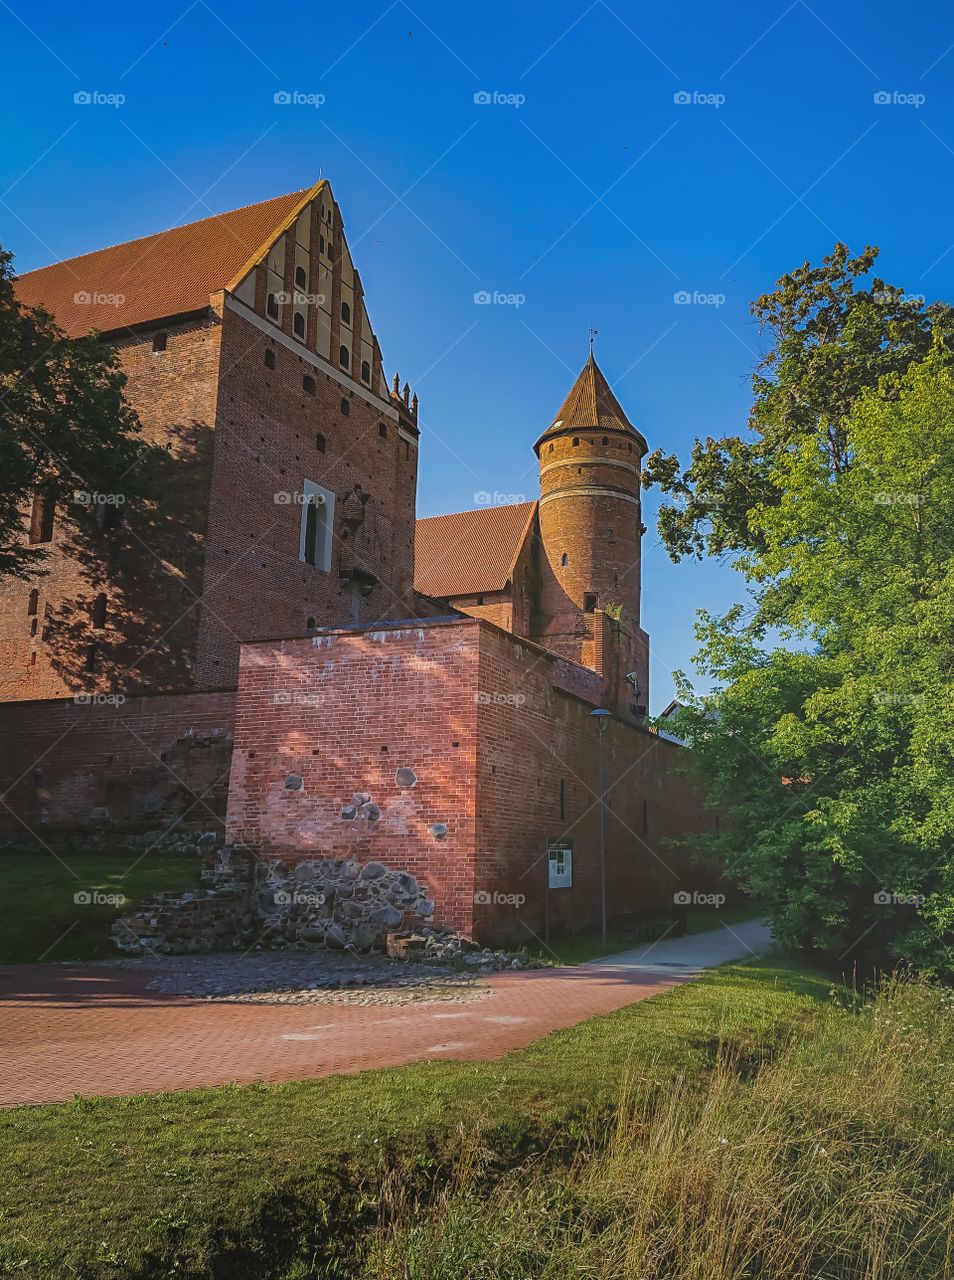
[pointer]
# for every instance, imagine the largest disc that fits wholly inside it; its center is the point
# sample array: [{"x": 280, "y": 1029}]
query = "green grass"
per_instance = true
[
  {"x": 284, "y": 1182},
  {"x": 578, "y": 948},
  {"x": 831, "y": 1159},
  {"x": 40, "y": 919}
]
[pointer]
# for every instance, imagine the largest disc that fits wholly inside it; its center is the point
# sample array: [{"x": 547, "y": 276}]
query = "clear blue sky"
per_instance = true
[{"x": 597, "y": 198}]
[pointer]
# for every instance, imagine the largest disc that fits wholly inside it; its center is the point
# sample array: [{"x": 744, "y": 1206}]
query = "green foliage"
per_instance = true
[
  {"x": 834, "y": 761},
  {"x": 65, "y": 425},
  {"x": 830, "y": 340}
]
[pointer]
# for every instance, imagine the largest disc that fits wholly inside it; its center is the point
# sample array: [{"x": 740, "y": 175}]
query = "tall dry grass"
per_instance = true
[{"x": 831, "y": 1161}]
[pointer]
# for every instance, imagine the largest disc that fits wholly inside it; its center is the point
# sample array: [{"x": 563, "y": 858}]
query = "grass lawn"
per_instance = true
[
  {"x": 578, "y": 948},
  {"x": 283, "y": 1181},
  {"x": 40, "y": 918}
]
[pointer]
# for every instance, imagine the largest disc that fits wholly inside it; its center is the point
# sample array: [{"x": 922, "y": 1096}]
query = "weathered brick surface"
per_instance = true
[
  {"x": 149, "y": 763},
  {"x": 344, "y": 712},
  {"x": 503, "y": 756}
]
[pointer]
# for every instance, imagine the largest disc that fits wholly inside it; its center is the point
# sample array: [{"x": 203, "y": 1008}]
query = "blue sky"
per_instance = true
[{"x": 628, "y": 154}]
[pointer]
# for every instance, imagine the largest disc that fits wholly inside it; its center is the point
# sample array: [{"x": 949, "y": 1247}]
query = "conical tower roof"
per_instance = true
[{"x": 591, "y": 403}]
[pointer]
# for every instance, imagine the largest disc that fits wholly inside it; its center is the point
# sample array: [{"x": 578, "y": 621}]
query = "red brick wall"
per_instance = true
[
  {"x": 153, "y": 762},
  {"x": 476, "y": 715},
  {"x": 525, "y": 750},
  {"x": 265, "y": 446},
  {"x": 345, "y": 712},
  {"x": 150, "y": 569}
]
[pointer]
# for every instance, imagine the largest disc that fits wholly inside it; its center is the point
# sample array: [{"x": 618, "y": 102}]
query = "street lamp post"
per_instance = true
[{"x": 601, "y": 718}]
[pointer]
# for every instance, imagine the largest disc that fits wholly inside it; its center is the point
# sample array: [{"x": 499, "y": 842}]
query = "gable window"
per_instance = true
[
  {"x": 365, "y": 370},
  {"x": 317, "y": 520},
  {"x": 298, "y": 324},
  {"x": 344, "y": 356},
  {"x": 346, "y": 312},
  {"x": 589, "y": 601},
  {"x": 271, "y": 307},
  {"x": 301, "y": 278},
  {"x": 41, "y": 517}
]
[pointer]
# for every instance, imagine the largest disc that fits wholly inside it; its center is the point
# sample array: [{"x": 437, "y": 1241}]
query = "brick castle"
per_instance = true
[{"x": 278, "y": 646}]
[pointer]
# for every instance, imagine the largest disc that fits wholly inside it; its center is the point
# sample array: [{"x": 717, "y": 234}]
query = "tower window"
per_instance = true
[
  {"x": 320, "y": 442},
  {"x": 576, "y": 441},
  {"x": 605, "y": 441},
  {"x": 564, "y": 560},
  {"x": 301, "y": 278},
  {"x": 41, "y": 517},
  {"x": 269, "y": 359},
  {"x": 630, "y": 448},
  {"x": 589, "y": 601},
  {"x": 308, "y": 384},
  {"x": 346, "y": 312},
  {"x": 365, "y": 370},
  {"x": 159, "y": 342},
  {"x": 298, "y": 324},
  {"x": 344, "y": 357},
  {"x": 99, "y": 611},
  {"x": 551, "y": 447}
]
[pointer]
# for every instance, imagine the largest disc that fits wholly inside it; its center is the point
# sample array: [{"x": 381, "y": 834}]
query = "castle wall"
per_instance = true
[
  {"x": 140, "y": 764},
  {"x": 150, "y": 568},
  {"x": 503, "y": 757},
  {"x": 273, "y": 435},
  {"x": 343, "y": 713}
]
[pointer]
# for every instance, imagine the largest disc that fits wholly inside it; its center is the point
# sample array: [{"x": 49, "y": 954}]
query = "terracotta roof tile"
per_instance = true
[
  {"x": 157, "y": 276},
  {"x": 469, "y": 552},
  {"x": 591, "y": 403}
]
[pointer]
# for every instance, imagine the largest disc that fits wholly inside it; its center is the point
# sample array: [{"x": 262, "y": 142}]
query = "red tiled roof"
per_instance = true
[
  {"x": 157, "y": 276},
  {"x": 591, "y": 403},
  {"x": 469, "y": 552}
]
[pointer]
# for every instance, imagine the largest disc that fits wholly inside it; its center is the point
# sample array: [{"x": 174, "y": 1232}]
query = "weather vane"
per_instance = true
[{"x": 593, "y": 333}]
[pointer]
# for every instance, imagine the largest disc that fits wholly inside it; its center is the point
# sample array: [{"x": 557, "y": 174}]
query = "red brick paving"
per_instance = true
[{"x": 66, "y": 1031}]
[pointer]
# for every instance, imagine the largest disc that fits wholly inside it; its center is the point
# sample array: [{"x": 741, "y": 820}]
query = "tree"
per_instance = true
[
  {"x": 832, "y": 339},
  {"x": 835, "y": 761},
  {"x": 66, "y": 425}
]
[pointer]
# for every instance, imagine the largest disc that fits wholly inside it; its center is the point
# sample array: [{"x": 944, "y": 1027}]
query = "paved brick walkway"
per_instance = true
[{"x": 66, "y": 1031}]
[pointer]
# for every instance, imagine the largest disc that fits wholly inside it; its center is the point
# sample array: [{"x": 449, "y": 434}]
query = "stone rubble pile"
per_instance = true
[{"x": 327, "y": 903}]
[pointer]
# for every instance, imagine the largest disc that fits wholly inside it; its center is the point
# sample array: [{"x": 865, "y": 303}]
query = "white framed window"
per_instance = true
[
  {"x": 317, "y": 525},
  {"x": 560, "y": 860}
]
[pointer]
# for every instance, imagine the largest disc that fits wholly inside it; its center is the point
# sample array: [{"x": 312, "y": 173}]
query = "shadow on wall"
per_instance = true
[{"x": 132, "y": 627}]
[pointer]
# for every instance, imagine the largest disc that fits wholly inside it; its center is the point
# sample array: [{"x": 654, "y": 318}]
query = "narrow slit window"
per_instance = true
[{"x": 41, "y": 518}]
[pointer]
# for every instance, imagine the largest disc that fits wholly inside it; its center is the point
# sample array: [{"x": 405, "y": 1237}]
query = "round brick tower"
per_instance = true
[{"x": 590, "y": 526}]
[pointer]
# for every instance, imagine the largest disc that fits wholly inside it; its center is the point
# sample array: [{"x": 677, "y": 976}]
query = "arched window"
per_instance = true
[
  {"x": 344, "y": 356},
  {"x": 576, "y": 441},
  {"x": 271, "y": 307},
  {"x": 346, "y": 312},
  {"x": 564, "y": 560},
  {"x": 298, "y": 324},
  {"x": 99, "y": 610},
  {"x": 33, "y": 603},
  {"x": 605, "y": 441},
  {"x": 301, "y": 277},
  {"x": 316, "y": 524},
  {"x": 41, "y": 519},
  {"x": 365, "y": 370}
]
